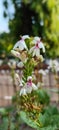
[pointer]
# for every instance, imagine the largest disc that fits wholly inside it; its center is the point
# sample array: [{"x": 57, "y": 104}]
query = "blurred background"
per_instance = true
[{"x": 35, "y": 18}]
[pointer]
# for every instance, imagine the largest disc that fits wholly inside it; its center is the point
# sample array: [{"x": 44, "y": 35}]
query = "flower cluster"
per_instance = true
[
  {"x": 28, "y": 50},
  {"x": 53, "y": 66}
]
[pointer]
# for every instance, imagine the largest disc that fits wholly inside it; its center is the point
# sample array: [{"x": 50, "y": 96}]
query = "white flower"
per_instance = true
[
  {"x": 29, "y": 78},
  {"x": 25, "y": 37},
  {"x": 54, "y": 65},
  {"x": 21, "y": 84},
  {"x": 36, "y": 38},
  {"x": 16, "y": 79},
  {"x": 35, "y": 50},
  {"x": 30, "y": 85},
  {"x": 41, "y": 71},
  {"x": 38, "y": 43},
  {"x": 20, "y": 45},
  {"x": 15, "y": 53},
  {"x": 22, "y": 91},
  {"x": 12, "y": 63},
  {"x": 34, "y": 87},
  {"x": 20, "y": 64},
  {"x": 28, "y": 88}
]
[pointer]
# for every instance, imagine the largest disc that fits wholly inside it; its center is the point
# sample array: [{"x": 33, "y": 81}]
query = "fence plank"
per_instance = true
[{"x": 7, "y": 88}]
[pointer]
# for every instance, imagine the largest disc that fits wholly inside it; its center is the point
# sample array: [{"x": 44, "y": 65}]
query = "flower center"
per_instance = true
[
  {"x": 37, "y": 44},
  {"x": 29, "y": 82}
]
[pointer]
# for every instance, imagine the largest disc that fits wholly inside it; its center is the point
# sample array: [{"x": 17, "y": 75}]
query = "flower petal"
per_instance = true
[
  {"x": 42, "y": 46},
  {"x": 28, "y": 89},
  {"x": 31, "y": 50},
  {"x": 20, "y": 64},
  {"x": 20, "y": 45},
  {"x": 34, "y": 87},
  {"x": 36, "y": 39},
  {"x": 16, "y": 46},
  {"x": 25, "y": 37},
  {"x": 23, "y": 91},
  {"x": 15, "y": 53},
  {"x": 34, "y": 52},
  {"x": 37, "y": 52}
]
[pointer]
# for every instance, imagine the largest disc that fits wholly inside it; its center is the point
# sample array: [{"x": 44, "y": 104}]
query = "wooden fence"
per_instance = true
[{"x": 7, "y": 88}]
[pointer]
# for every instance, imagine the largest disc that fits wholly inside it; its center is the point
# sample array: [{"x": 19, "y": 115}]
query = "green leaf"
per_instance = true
[
  {"x": 51, "y": 110},
  {"x": 3, "y": 112},
  {"x": 43, "y": 96},
  {"x": 54, "y": 120},
  {"x": 44, "y": 119},
  {"x": 48, "y": 128},
  {"x": 4, "y": 124},
  {"x": 27, "y": 120},
  {"x": 50, "y": 117}
]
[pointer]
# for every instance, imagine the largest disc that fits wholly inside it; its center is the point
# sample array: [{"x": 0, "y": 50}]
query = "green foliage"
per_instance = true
[
  {"x": 40, "y": 17},
  {"x": 48, "y": 128},
  {"x": 51, "y": 110},
  {"x": 4, "y": 125},
  {"x": 27, "y": 120},
  {"x": 43, "y": 96},
  {"x": 5, "y": 44},
  {"x": 50, "y": 118},
  {"x": 9, "y": 119},
  {"x": 47, "y": 119}
]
